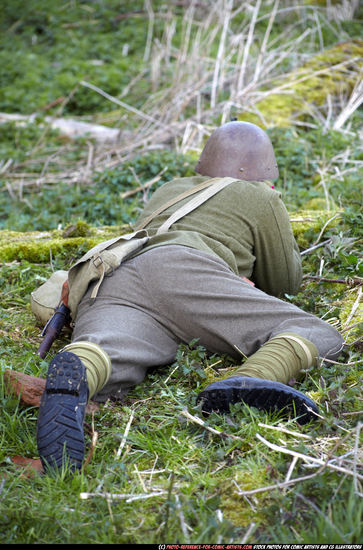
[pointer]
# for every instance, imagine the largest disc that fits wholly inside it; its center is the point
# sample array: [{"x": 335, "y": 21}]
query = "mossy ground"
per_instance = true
[
  {"x": 332, "y": 73},
  {"x": 41, "y": 246},
  {"x": 52, "y": 208}
]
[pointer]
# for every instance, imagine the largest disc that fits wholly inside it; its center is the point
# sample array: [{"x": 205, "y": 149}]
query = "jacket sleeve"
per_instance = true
[{"x": 277, "y": 268}]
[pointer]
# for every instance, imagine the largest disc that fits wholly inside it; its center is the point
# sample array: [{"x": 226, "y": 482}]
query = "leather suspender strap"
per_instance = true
[
  {"x": 191, "y": 205},
  {"x": 195, "y": 202},
  {"x": 173, "y": 201}
]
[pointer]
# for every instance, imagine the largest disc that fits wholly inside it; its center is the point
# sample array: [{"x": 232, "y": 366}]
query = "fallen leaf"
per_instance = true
[{"x": 31, "y": 465}]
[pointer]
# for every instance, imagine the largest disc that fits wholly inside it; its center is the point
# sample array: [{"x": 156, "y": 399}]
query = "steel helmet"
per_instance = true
[{"x": 239, "y": 150}]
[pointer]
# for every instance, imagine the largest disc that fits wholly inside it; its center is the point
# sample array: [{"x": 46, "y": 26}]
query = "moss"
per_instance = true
[
  {"x": 235, "y": 507},
  {"x": 212, "y": 375},
  {"x": 317, "y": 396},
  {"x": 38, "y": 247},
  {"x": 79, "y": 229},
  {"x": 316, "y": 204},
  {"x": 308, "y": 87},
  {"x": 308, "y": 223}
]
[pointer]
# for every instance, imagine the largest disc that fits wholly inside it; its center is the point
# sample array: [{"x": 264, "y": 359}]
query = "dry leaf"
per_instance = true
[{"x": 31, "y": 465}]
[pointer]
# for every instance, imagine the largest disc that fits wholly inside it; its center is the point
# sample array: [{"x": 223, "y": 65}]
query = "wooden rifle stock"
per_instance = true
[{"x": 52, "y": 329}]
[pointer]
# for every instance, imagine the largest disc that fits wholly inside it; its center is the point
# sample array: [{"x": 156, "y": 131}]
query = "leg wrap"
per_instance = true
[
  {"x": 280, "y": 359},
  {"x": 96, "y": 361}
]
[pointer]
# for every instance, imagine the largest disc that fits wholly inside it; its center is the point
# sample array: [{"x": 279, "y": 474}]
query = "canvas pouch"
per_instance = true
[
  {"x": 46, "y": 298},
  {"x": 99, "y": 261}
]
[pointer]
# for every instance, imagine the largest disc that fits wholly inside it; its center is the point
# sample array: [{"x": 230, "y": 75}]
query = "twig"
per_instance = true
[
  {"x": 343, "y": 364},
  {"x": 171, "y": 374},
  {"x": 240, "y": 351},
  {"x": 248, "y": 45},
  {"x": 324, "y": 227},
  {"x": 355, "y": 281},
  {"x": 142, "y": 400},
  {"x": 284, "y": 430},
  {"x": 227, "y": 16},
  {"x": 262, "y": 51},
  {"x": 249, "y": 532},
  {"x": 140, "y": 478},
  {"x": 201, "y": 422},
  {"x": 153, "y": 471},
  {"x": 354, "y": 102},
  {"x": 354, "y": 308},
  {"x": 122, "y": 496},
  {"x": 67, "y": 126},
  {"x": 93, "y": 445},
  {"x": 278, "y": 485},
  {"x": 183, "y": 525},
  {"x": 150, "y": 30},
  {"x": 146, "y": 185},
  {"x": 127, "y": 429},
  {"x": 291, "y": 468},
  {"x": 5, "y": 165},
  {"x": 53, "y": 103},
  {"x": 120, "y": 103},
  {"x": 292, "y": 83},
  {"x": 360, "y": 339},
  {"x": 355, "y": 475},
  {"x": 296, "y": 455},
  {"x": 305, "y": 457},
  {"x": 308, "y": 250},
  {"x": 301, "y": 220},
  {"x": 349, "y": 328},
  {"x": 88, "y": 168},
  {"x": 126, "y": 15},
  {"x": 253, "y": 508}
]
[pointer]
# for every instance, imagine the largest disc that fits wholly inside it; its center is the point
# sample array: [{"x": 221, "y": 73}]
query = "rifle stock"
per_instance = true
[{"x": 52, "y": 329}]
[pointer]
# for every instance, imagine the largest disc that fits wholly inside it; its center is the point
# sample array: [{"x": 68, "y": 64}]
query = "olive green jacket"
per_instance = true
[{"x": 246, "y": 224}]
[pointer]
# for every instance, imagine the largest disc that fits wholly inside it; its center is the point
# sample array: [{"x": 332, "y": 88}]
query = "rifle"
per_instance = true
[
  {"x": 52, "y": 329},
  {"x": 60, "y": 317}
]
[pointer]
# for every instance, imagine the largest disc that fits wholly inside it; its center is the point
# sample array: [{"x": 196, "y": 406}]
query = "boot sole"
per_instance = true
[
  {"x": 265, "y": 395},
  {"x": 60, "y": 436}
]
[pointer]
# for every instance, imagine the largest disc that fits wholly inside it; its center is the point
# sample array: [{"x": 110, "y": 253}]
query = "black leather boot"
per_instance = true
[{"x": 265, "y": 395}]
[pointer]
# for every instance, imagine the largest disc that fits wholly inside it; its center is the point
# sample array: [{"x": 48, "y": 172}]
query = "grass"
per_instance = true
[{"x": 160, "y": 471}]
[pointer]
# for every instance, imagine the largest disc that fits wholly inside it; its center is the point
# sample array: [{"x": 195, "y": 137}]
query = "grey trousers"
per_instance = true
[{"x": 173, "y": 294}]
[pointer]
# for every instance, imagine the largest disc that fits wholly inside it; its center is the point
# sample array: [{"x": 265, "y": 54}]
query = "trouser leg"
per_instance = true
[{"x": 131, "y": 337}]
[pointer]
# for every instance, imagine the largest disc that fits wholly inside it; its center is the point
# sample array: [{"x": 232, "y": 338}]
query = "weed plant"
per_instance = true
[{"x": 161, "y": 472}]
